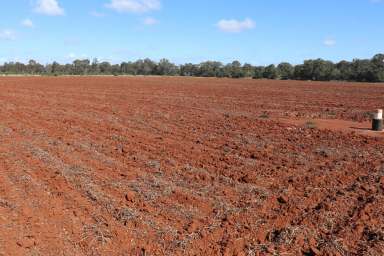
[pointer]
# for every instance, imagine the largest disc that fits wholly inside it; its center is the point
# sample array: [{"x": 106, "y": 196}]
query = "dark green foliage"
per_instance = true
[
  {"x": 378, "y": 67},
  {"x": 299, "y": 72},
  {"x": 166, "y": 68},
  {"x": 345, "y": 70},
  {"x": 285, "y": 71},
  {"x": 189, "y": 69},
  {"x": 316, "y": 70},
  {"x": 234, "y": 70},
  {"x": 270, "y": 72},
  {"x": 362, "y": 70},
  {"x": 210, "y": 69},
  {"x": 258, "y": 72},
  {"x": 248, "y": 70}
]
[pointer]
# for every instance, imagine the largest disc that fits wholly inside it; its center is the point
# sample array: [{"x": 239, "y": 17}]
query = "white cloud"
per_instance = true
[
  {"x": 27, "y": 23},
  {"x": 7, "y": 34},
  {"x": 329, "y": 42},
  {"x": 149, "y": 21},
  {"x": 49, "y": 7},
  {"x": 235, "y": 26},
  {"x": 135, "y": 6},
  {"x": 71, "y": 55}
]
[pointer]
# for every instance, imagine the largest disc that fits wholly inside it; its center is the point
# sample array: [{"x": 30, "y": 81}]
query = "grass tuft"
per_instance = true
[{"x": 310, "y": 125}]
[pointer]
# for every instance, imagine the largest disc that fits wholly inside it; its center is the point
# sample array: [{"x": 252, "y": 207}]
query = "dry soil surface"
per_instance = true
[{"x": 189, "y": 166}]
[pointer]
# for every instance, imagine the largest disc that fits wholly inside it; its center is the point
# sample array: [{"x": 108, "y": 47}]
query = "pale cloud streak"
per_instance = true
[
  {"x": 27, "y": 23},
  {"x": 49, "y": 7},
  {"x": 149, "y": 21},
  {"x": 7, "y": 34},
  {"x": 235, "y": 26},
  {"x": 134, "y": 6},
  {"x": 329, "y": 42}
]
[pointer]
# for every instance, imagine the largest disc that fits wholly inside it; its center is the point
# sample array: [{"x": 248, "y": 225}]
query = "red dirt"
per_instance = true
[
  {"x": 362, "y": 128},
  {"x": 188, "y": 166}
]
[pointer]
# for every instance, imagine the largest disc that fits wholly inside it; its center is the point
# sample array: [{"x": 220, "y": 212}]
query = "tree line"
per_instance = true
[{"x": 360, "y": 70}]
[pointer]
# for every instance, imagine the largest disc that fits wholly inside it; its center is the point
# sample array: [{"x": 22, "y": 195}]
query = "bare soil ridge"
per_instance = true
[{"x": 178, "y": 166}]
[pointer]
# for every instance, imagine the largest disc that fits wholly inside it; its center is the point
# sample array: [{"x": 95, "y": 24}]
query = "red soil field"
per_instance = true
[{"x": 189, "y": 166}]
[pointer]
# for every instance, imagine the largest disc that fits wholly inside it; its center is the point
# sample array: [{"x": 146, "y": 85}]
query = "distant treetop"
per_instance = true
[{"x": 361, "y": 70}]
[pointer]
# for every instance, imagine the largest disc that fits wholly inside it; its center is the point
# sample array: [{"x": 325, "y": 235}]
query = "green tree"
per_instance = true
[
  {"x": 285, "y": 70},
  {"x": 299, "y": 72},
  {"x": 166, "y": 68},
  {"x": 105, "y": 68},
  {"x": 270, "y": 72},
  {"x": 95, "y": 67},
  {"x": 377, "y": 63},
  {"x": 189, "y": 69},
  {"x": 345, "y": 70},
  {"x": 248, "y": 70},
  {"x": 363, "y": 71},
  {"x": 233, "y": 70},
  {"x": 322, "y": 70},
  {"x": 55, "y": 68},
  {"x": 81, "y": 67},
  {"x": 258, "y": 72},
  {"x": 317, "y": 70},
  {"x": 210, "y": 69}
]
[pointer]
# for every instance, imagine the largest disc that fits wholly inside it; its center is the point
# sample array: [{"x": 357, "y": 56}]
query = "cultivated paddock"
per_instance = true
[{"x": 189, "y": 166}]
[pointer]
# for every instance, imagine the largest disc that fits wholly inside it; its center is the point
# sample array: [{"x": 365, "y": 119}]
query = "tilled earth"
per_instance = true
[{"x": 187, "y": 166}]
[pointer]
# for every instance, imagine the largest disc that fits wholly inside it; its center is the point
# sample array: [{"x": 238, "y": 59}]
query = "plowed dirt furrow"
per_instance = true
[{"x": 185, "y": 166}]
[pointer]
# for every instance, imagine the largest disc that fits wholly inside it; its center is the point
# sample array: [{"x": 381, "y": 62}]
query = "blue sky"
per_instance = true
[{"x": 254, "y": 31}]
